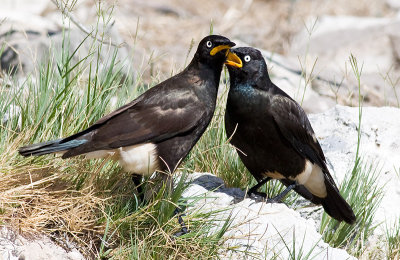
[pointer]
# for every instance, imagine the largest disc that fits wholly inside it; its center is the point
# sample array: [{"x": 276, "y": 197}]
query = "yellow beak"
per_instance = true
[
  {"x": 219, "y": 48},
  {"x": 233, "y": 60}
]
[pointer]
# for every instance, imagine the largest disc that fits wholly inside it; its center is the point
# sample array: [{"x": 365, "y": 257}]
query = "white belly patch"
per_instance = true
[
  {"x": 140, "y": 159},
  {"x": 313, "y": 179}
]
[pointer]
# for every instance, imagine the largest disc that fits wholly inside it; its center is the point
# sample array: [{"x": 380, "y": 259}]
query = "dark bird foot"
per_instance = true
[
  {"x": 137, "y": 180},
  {"x": 184, "y": 229},
  {"x": 276, "y": 199},
  {"x": 262, "y": 197},
  {"x": 257, "y": 196}
]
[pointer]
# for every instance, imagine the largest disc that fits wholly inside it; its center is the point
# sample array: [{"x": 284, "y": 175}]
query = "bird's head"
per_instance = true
[
  {"x": 212, "y": 50},
  {"x": 246, "y": 64}
]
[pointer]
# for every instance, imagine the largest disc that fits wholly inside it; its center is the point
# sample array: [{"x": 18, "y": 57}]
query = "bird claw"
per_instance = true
[
  {"x": 273, "y": 200},
  {"x": 278, "y": 198},
  {"x": 262, "y": 197},
  {"x": 184, "y": 229},
  {"x": 257, "y": 196}
]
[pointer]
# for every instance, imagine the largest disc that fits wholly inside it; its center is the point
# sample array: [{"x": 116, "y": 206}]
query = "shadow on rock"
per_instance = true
[{"x": 215, "y": 184}]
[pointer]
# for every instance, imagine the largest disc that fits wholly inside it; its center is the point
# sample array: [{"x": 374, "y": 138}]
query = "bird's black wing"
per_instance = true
[
  {"x": 294, "y": 125},
  {"x": 160, "y": 113}
]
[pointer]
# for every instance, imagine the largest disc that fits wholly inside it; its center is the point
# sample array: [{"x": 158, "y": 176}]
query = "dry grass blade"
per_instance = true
[{"x": 44, "y": 203}]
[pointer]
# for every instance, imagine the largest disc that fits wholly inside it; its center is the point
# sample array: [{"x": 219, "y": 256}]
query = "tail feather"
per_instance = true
[
  {"x": 49, "y": 147},
  {"x": 335, "y": 205}
]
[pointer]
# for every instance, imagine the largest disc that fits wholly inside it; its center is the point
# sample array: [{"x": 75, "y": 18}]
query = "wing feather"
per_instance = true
[
  {"x": 294, "y": 125},
  {"x": 296, "y": 128},
  {"x": 159, "y": 114}
]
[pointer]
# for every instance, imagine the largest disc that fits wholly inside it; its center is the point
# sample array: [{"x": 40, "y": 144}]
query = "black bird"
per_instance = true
[
  {"x": 157, "y": 130},
  {"x": 274, "y": 136}
]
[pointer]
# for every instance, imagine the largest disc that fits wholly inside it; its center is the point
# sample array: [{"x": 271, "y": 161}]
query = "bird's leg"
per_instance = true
[
  {"x": 137, "y": 180},
  {"x": 178, "y": 212},
  {"x": 258, "y": 185},
  {"x": 280, "y": 196},
  {"x": 253, "y": 190},
  {"x": 184, "y": 229}
]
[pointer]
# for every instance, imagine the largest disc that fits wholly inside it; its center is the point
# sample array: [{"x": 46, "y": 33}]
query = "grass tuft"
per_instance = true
[
  {"x": 360, "y": 190},
  {"x": 300, "y": 253},
  {"x": 393, "y": 240}
]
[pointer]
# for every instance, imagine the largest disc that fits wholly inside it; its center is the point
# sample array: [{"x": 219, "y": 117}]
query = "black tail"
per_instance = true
[
  {"x": 336, "y": 206},
  {"x": 49, "y": 147}
]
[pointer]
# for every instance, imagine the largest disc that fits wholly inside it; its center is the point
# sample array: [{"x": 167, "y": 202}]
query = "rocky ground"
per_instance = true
[
  {"x": 258, "y": 229},
  {"x": 307, "y": 45},
  {"x": 16, "y": 247}
]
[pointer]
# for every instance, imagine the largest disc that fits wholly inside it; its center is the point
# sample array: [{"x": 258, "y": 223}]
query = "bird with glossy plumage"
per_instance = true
[{"x": 274, "y": 137}]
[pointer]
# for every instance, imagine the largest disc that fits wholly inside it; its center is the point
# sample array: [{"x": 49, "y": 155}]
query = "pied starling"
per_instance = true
[
  {"x": 274, "y": 136},
  {"x": 157, "y": 130}
]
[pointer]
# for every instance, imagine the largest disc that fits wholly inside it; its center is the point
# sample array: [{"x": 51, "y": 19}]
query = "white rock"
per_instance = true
[
  {"x": 336, "y": 37},
  {"x": 336, "y": 130},
  {"x": 14, "y": 247},
  {"x": 372, "y": 41},
  {"x": 395, "y": 4},
  {"x": 13, "y": 111},
  {"x": 36, "y": 7},
  {"x": 259, "y": 230}
]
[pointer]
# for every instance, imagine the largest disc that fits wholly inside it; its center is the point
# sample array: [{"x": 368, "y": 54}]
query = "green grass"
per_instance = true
[
  {"x": 393, "y": 240},
  {"x": 397, "y": 171},
  {"x": 93, "y": 201},
  {"x": 360, "y": 190},
  {"x": 147, "y": 231}
]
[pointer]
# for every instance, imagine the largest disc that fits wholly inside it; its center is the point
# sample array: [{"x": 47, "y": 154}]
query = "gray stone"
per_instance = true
[
  {"x": 16, "y": 247},
  {"x": 374, "y": 43},
  {"x": 26, "y": 49},
  {"x": 31, "y": 39}
]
